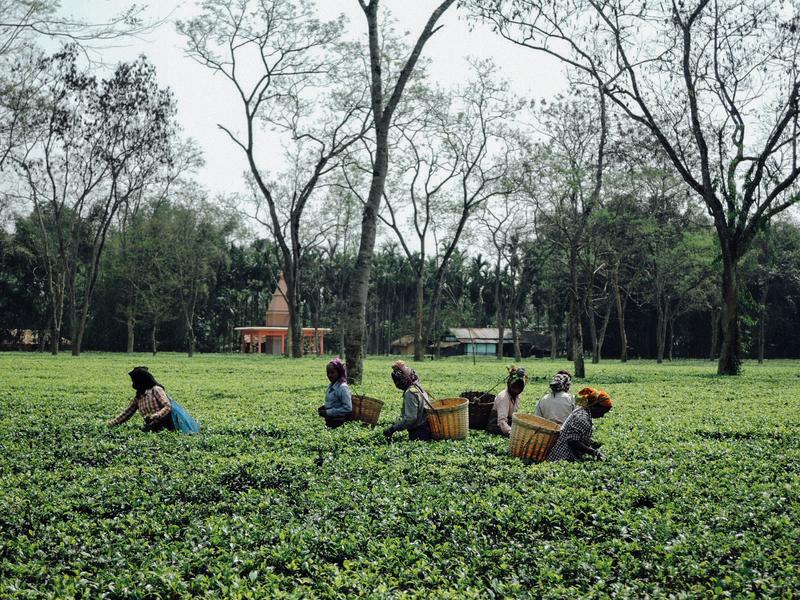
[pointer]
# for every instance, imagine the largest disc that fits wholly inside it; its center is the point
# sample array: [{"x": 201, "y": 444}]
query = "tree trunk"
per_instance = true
[
  {"x": 498, "y": 312},
  {"x": 661, "y": 327},
  {"x": 570, "y": 346},
  {"x": 189, "y": 316},
  {"x": 55, "y": 336},
  {"x": 153, "y": 341},
  {"x": 601, "y": 337},
  {"x": 553, "y": 341},
  {"x": 592, "y": 326},
  {"x": 419, "y": 345},
  {"x": 576, "y": 335},
  {"x": 714, "y": 351},
  {"x": 623, "y": 336},
  {"x": 131, "y": 321},
  {"x": 43, "y": 335},
  {"x": 73, "y": 320},
  {"x": 515, "y": 333},
  {"x": 729, "y": 360},
  {"x": 762, "y": 322},
  {"x": 671, "y": 337},
  {"x": 294, "y": 347},
  {"x": 357, "y": 310},
  {"x": 576, "y": 309},
  {"x": 317, "y": 310}
]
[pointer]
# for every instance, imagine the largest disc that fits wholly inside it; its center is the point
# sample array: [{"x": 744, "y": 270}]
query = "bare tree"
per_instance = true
[
  {"x": 24, "y": 20},
  {"x": 61, "y": 168},
  {"x": 413, "y": 197},
  {"x": 133, "y": 121},
  {"x": 507, "y": 223},
  {"x": 92, "y": 148},
  {"x": 572, "y": 174},
  {"x": 716, "y": 83},
  {"x": 383, "y": 109},
  {"x": 286, "y": 67},
  {"x": 484, "y": 147}
]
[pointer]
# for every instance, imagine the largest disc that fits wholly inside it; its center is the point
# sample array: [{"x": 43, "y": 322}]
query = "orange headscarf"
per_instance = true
[{"x": 591, "y": 397}]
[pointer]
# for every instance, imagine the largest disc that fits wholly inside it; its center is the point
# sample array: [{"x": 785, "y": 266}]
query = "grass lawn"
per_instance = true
[{"x": 699, "y": 495}]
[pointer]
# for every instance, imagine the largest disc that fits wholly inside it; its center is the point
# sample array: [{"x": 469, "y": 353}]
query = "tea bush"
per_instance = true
[{"x": 699, "y": 495}]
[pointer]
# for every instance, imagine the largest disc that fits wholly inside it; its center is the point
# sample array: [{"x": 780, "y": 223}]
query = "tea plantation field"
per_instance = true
[{"x": 699, "y": 495}]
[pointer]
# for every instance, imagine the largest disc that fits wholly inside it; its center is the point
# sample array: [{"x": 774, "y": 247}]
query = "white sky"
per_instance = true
[{"x": 204, "y": 101}]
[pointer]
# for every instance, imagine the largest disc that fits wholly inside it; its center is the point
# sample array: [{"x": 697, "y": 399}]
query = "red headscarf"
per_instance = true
[{"x": 591, "y": 397}]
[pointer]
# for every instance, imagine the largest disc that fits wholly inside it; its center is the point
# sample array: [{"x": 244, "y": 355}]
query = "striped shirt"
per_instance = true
[{"x": 152, "y": 403}]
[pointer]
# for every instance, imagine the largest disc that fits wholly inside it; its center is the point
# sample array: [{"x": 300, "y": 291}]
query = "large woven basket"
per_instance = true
[
  {"x": 532, "y": 437},
  {"x": 366, "y": 409},
  {"x": 449, "y": 418},
  {"x": 480, "y": 408}
]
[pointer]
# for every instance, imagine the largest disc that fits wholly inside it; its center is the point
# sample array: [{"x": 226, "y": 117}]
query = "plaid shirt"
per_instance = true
[
  {"x": 153, "y": 403},
  {"x": 577, "y": 427}
]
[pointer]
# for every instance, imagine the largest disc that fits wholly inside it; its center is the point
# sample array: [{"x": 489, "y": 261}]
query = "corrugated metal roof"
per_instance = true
[{"x": 483, "y": 335}]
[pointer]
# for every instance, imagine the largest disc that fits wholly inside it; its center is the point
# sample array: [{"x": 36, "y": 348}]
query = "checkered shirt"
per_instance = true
[
  {"x": 577, "y": 427},
  {"x": 153, "y": 403}
]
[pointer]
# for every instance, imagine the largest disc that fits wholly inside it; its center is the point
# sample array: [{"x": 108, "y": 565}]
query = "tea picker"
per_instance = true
[
  {"x": 575, "y": 437},
  {"x": 507, "y": 402},
  {"x": 338, "y": 405},
  {"x": 413, "y": 417},
  {"x": 157, "y": 408}
]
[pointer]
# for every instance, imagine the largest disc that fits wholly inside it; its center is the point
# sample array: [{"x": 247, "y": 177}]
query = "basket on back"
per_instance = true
[
  {"x": 480, "y": 407},
  {"x": 532, "y": 437},
  {"x": 366, "y": 409},
  {"x": 449, "y": 418}
]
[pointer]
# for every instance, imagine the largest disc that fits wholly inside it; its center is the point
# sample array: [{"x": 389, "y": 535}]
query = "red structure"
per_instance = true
[{"x": 271, "y": 339}]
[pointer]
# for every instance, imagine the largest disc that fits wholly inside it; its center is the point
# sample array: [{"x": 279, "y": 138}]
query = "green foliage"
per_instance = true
[{"x": 699, "y": 495}]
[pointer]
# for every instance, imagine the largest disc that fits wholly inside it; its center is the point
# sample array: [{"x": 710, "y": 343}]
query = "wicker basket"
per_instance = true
[
  {"x": 366, "y": 409},
  {"x": 449, "y": 418},
  {"x": 480, "y": 407},
  {"x": 532, "y": 438}
]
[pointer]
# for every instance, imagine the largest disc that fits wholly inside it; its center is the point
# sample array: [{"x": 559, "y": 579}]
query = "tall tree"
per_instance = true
[
  {"x": 383, "y": 109},
  {"x": 573, "y": 159},
  {"x": 483, "y": 147},
  {"x": 286, "y": 67},
  {"x": 716, "y": 83},
  {"x": 134, "y": 125},
  {"x": 61, "y": 166},
  {"x": 424, "y": 169}
]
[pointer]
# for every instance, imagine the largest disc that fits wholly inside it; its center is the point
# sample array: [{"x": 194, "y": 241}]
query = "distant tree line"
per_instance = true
[
  {"x": 643, "y": 212},
  {"x": 176, "y": 279}
]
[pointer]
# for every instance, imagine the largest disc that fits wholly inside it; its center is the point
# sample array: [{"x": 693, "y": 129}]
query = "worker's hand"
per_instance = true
[
  {"x": 388, "y": 433},
  {"x": 110, "y": 423},
  {"x": 322, "y": 412},
  {"x": 599, "y": 455}
]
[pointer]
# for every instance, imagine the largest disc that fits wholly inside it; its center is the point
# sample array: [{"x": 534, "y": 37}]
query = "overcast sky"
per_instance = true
[{"x": 204, "y": 101}]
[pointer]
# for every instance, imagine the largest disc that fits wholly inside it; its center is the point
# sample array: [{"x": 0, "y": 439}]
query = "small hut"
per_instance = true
[{"x": 403, "y": 345}]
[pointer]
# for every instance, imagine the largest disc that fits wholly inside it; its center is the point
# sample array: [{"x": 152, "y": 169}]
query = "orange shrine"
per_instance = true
[{"x": 271, "y": 339}]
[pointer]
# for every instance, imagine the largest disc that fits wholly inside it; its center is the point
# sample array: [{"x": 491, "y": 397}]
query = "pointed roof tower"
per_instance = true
[{"x": 278, "y": 309}]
